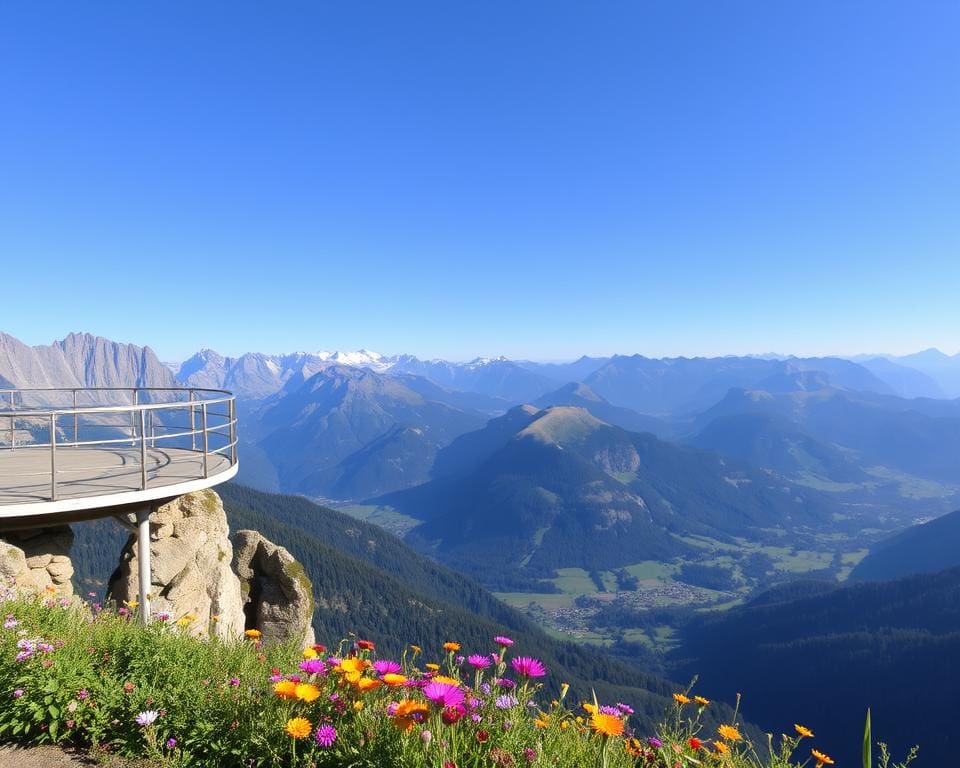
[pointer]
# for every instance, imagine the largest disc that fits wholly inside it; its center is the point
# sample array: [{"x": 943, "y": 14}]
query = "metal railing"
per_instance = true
[{"x": 197, "y": 423}]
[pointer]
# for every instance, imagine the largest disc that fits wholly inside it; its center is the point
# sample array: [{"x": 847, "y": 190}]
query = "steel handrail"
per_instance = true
[{"x": 212, "y": 423}]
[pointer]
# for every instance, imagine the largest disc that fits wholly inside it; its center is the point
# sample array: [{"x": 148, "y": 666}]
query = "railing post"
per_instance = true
[
  {"x": 75, "y": 419},
  {"x": 143, "y": 561},
  {"x": 53, "y": 457},
  {"x": 193, "y": 424},
  {"x": 133, "y": 418},
  {"x": 143, "y": 451},
  {"x": 13, "y": 422},
  {"x": 203, "y": 424},
  {"x": 233, "y": 431}
]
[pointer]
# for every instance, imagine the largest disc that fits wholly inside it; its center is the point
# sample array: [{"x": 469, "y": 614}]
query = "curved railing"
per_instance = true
[{"x": 154, "y": 427}]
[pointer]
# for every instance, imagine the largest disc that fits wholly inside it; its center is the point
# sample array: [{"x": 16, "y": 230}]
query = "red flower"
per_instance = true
[
  {"x": 319, "y": 648},
  {"x": 695, "y": 743},
  {"x": 365, "y": 645},
  {"x": 482, "y": 736}
]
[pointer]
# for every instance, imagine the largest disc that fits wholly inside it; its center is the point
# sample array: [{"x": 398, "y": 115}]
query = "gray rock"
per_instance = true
[
  {"x": 278, "y": 593},
  {"x": 38, "y": 560},
  {"x": 190, "y": 554}
]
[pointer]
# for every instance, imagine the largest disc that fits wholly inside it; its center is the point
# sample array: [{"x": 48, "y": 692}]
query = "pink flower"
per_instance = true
[
  {"x": 527, "y": 666},
  {"x": 326, "y": 735},
  {"x": 506, "y": 642},
  {"x": 443, "y": 694},
  {"x": 387, "y": 667},
  {"x": 479, "y": 661}
]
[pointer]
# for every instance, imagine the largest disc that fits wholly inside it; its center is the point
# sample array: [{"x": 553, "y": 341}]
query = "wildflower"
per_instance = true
[
  {"x": 443, "y": 694},
  {"x": 505, "y": 642},
  {"x": 307, "y": 692},
  {"x": 681, "y": 699},
  {"x": 71, "y": 723},
  {"x": 11, "y": 622},
  {"x": 527, "y": 666},
  {"x": 313, "y": 667},
  {"x": 542, "y": 721},
  {"x": 128, "y": 687},
  {"x": 416, "y": 649},
  {"x": 147, "y": 717},
  {"x": 803, "y": 731},
  {"x": 319, "y": 647},
  {"x": 132, "y": 604},
  {"x": 426, "y": 736},
  {"x": 720, "y": 748},
  {"x": 432, "y": 667},
  {"x": 695, "y": 743},
  {"x": 408, "y": 712},
  {"x": 610, "y": 711},
  {"x": 451, "y": 715},
  {"x": 564, "y": 687},
  {"x": 654, "y": 742},
  {"x": 392, "y": 679},
  {"x": 608, "y": 725},
  {"x": 701, "y": 701},
  {"x": 285, "y": 689},
  {"x": 357, "y": 706},
  {"x": 365, "y": 645},
  {"x": 479, "y": 661},
  {"x": 298, "y": 727},
  {"x": 368, "y": 684},
  {"x": 634, "y": 747},
  {"x": 309, "y": 653},
  {"x": 234, "y": 682},
  {"x": 18, "y": 693},
  {"x": 501, "y": 758},
  {"x": 482, "y": 736},
  {"x": 505, "y": 683},
  {"x": 624, "y": 709},
  {"x": 444, "y": 679},
  {"x": 505, "y": 702},
  {"x": 82, "y": 693},
  {"x": 530, "y": 754},
  {"x": 326, "y": 735},
  {"x": 451, "y": 647},
  {"x": 253, "y": 634},
  {"x": 729, "y": 732},
  {"x": 162, "y": 616},
  {"x": 387, "y": 667},
  {"x": 821, "y": 758}
]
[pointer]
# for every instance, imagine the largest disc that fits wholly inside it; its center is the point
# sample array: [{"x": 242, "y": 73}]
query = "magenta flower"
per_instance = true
[
  {"x": 506, "y": 642},
  {"x": 326, "y": 735},
  {"x": 235, "y": 682},
  {"x": 625, "y": 709},
  {"x": 387, "y": 667},
  {"x": 479, "y": 661},
  {"x": 610, "y": 711},
  {"x": 443, "y": 694},
  {"x": 313, "y": 667},
  {"x": 18, "y": 693},
  {"x": 654, "y": 742},
  {"x": 527, "y": 666},
  {"x": 171, "y": 743}
]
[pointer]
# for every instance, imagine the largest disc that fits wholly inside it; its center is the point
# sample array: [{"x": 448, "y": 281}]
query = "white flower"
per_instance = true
[{"x": 146, "y": 718}]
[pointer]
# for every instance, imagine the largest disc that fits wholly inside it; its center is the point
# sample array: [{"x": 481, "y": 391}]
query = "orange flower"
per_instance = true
[
  {"x": 542, "y": 721},
  {"x": 253, "y": 634},
  {"x": 365, "y": 645},
  {"x": 306, "y": 692},
  {"x": 634, "y": 747},
  {"x": 285, "y": 689},
  {"x": 393, "y": 679},
  {"x": 821, "y": 758},
  {"x": 729, "y": 732},
  {"x": 720, "y": 747},
  {"x": 406, "y": 711},
  {"x": 416, "y": 649},
  {"x": 433, "y": 667},
  {"x": 367, "y": 684},
  {"x": 589, "y": 707},
  {"x": 452, "y": 647},
  {"x": 681, "y": 699},
  {"x": 608, "y": 725},
  {"x": 298, "y": 727},
  {"x": 701, "y": 701},
  {"x": 803, "y": 731}
]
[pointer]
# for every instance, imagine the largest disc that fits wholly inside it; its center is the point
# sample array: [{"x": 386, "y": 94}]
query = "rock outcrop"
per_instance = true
[
  {"x": 278, "y": 595},
  {"x": 38, "y": 560},
  {"x": 190, "y": 554}
]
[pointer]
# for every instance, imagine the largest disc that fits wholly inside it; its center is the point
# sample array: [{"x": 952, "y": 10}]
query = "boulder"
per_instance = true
[
  {"x": 190, "y": 556},
  {"x": 278, "y": 594},
  {"x": 38, "y": 560}
]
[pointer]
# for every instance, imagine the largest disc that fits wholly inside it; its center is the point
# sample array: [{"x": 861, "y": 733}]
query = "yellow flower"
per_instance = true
[
  {"x": 214, "y": 617},
  {"x": 285, "y": 689},
  {"x": 681, "y": 699},
  {"x": 416, "y": 649},
  {"x": 701, "y": 701},
  {"x": 357, "y": 706},
  {"x": 298, "y": 727},
  {"x": 729, "y": 732},
  {"x": 309, "y": 653},
  {"x": 131, "y": 604},
  {"x": 452, "y": 647},
  {"x": 564, "y": 687},
  {"x": 367, "y": 684},
  {"x": 803, "y": 731},
  {"x": 253, "y": 634},
  {"x": 433, "y": 667},
  {"x": 564, "y": 725},
  {"x": 445, "y": 679},
  {"x": 393, "y": 679},
  {"x": 720, "y": 747},
  {"x": 589, "y": 707},
  {"x": 821, "y": 758},
  {"x": 306, "y": 692},
  {"x": 608, "y": 725},
  {"x": 542, "y": 721},
  {"x": 403, "y": 715}
]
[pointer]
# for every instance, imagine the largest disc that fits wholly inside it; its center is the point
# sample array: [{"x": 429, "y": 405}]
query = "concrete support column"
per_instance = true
[{"x": 143, "y": 560}]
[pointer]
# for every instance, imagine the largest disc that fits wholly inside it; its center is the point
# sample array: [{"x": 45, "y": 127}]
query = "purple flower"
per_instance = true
[
  {"x": 82, "y": 693},
  {"x": 506, "y": 701},
  {"x": 23, "y": 656},
  {"x": 654, "y": 742},
  {"x": 387, "y": 667},
  {"x": 506, "y": 683},
  {"x": 506, "y": 642},
  {"x": 18, "y": 693},
  {"x": 530, "y": 754},
  {"x": 326, "y": 735},
  {"x": 625, "y": 709},
  {"x": 171, "y": 743},
  {"x": 11, "y": 622},
  {"x": 313, "y": 667},
  {"x": 443, "y": 694},
  {"x": 527, "y": 666},
  {"x": 479, "y": 661},
  {"x": 235, "y": 682},
  {"x": 610, "y": 711}
]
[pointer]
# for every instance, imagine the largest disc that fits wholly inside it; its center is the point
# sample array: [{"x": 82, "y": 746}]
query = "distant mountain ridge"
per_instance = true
[{"x": 81, "y": 360}]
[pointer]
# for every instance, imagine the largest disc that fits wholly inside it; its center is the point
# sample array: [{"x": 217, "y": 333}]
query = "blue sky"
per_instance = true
[{"x": 535, "y": 179}]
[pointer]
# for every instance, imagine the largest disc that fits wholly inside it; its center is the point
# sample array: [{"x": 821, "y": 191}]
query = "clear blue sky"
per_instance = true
[{"x": 538, "y": 179}]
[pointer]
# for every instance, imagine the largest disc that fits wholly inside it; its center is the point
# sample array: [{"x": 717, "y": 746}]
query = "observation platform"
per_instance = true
[{"x": 81, "y": 453}]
